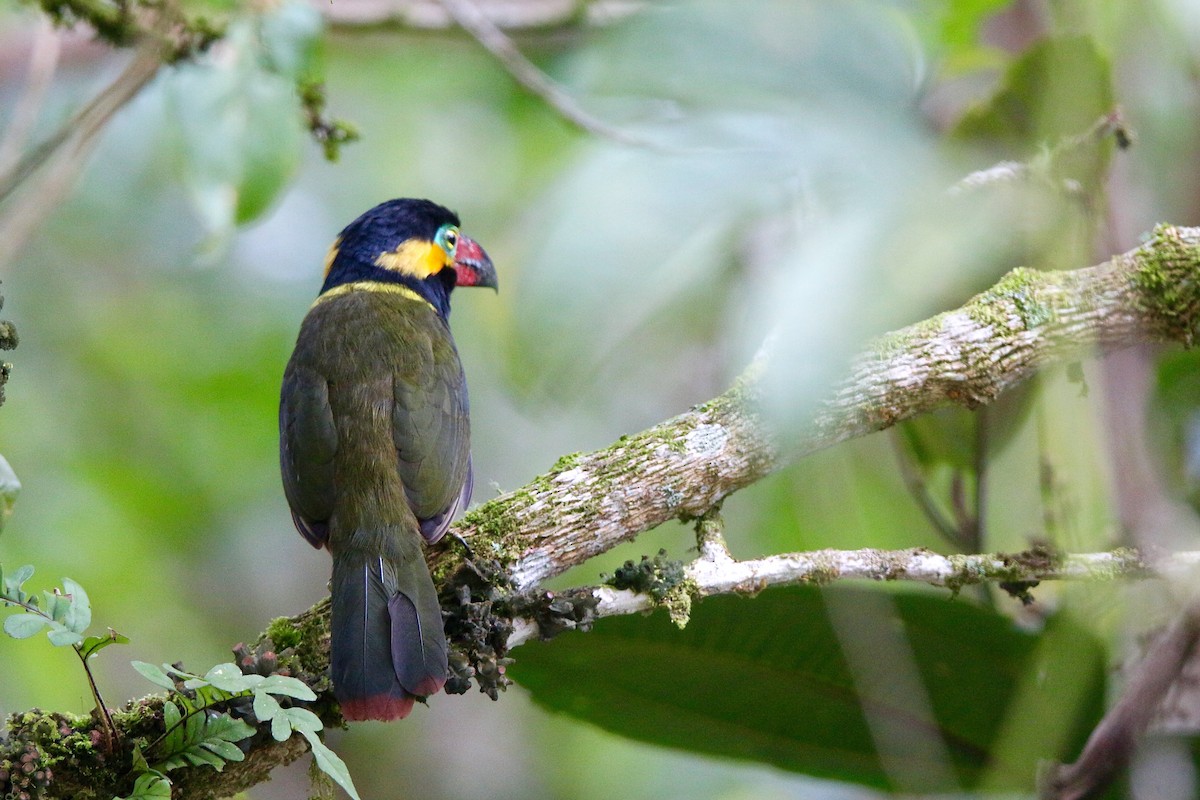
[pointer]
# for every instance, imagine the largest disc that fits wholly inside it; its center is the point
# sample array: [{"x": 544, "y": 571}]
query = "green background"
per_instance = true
[{"x": 798, "y": 185}]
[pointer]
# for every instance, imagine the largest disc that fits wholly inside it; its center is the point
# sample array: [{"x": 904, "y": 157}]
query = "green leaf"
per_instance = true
[
  {"x": 770, "y": 680},
  {"x": 226, "y": 750},
  {"x": 150, "y": 786},
  {"x": 154, "y": 675},
  {"x": 303, "y": 720},
  {"x": 61, "y": 636},
  {"x": 287, "y": 686},
  {"x": 206, "y": 739},
  {"x": 79, "y": 612},
  {"x": 21, "y": 575},
  {"x": 950, "y": 28},
  {"x": 228, "y": 678},
  {"x": 331, "y": 764},
  {"x": 281, "y": 727},
  {"x": 94, "y": 644},
  {"x": 12, "y": 584},
  {"x": 22, "y": 626},
  {"x": 171, "y": 714},
  {"x": 201, "y": 755},
  {"x": 240, "y": 135},
  {"x": 139, "y": 760},
  {"x": 265, "y": 706},
  {"x": 193, "y": 727},
  {"x": 180, "y": 673},
  {"x": 288, "y": 35},
  {"x": 56, "y": 605},
  {"x": 10, "y": 487},
  {"x": 225, "y": 728},
  {"x": 1057, "y": 88},
  {"x": 174, "y": 731}
]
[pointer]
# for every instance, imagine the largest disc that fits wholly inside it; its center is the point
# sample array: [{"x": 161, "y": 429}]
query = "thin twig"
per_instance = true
[
  {"x": 1112, "y": 743},
  {"x": 43, "y": 61},
  {"x": 110, "y": 729},
  {"x": 1111, "y": 124},
  {"x": 67, "y": 150},
  {"x": 83, "y": 126},
  {"x": 915, "y": 484},
  {"x": 981, "y": 473},
  {"x": 471, "y": 19},
  {"x": 542, "y": 17},
  {"x": 710, "y": 537},
  {"x": 707, "y": 577}
]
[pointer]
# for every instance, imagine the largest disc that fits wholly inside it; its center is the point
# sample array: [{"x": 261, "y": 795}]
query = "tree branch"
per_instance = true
[
  {"x": 721, "y": 574},
  {"x": 680, "y": 469}
]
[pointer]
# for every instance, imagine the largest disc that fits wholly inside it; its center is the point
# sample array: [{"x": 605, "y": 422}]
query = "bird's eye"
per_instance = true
[{"x": 447, "y": 238}]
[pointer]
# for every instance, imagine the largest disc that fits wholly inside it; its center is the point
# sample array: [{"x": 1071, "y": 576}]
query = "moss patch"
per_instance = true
[
  {"x": 1167, "y": 283},
  {"x": 1016, "y": 295}
]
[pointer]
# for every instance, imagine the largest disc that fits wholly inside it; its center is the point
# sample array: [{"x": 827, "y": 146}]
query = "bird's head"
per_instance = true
[{"x": 412, "y": 242}]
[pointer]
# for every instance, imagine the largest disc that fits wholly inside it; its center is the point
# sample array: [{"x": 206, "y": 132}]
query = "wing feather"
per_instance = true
[
  {"x": 308, "y": 442},
  {"x": 431, "y": 431}
]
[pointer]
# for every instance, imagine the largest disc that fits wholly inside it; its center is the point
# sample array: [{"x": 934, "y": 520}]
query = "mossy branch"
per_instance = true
[
  {"x": 685, "y": 467},
  {"x": 126, "y": 23}
]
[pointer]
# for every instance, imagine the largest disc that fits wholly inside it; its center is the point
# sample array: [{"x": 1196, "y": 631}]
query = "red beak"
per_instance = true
[{"x": 472, "y": 265}]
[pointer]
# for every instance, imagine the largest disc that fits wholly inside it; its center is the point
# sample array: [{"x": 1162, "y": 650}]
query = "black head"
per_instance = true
[{"x": 412, "y": 242}]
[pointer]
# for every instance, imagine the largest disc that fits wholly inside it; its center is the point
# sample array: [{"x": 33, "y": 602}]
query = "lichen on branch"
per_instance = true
[{"x": 684, "y": 467}]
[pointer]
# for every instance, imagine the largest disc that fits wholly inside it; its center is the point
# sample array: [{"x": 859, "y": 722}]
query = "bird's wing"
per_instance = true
[
  {"x": 308, "y": 441},
  {"x": 430, "y": 427}
]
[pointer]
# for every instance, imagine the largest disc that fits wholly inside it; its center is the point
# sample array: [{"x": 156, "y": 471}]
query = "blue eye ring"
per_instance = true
[{"x": 447, "y": 238}]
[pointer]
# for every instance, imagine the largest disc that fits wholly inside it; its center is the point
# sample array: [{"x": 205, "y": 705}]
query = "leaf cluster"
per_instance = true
[
  {"x": 66, "y": 612},
  {"x": 204, "y": 716},
  {"x": 199, "y": 726}
]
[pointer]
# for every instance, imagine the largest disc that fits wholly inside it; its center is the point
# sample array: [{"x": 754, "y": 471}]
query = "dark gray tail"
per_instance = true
[{"x": 387, "y": 645}]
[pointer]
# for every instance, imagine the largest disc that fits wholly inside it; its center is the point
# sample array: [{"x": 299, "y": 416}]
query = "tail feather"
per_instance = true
[
  {"x": 420, "y": 657},
  {"x": 387, "y": 643}
]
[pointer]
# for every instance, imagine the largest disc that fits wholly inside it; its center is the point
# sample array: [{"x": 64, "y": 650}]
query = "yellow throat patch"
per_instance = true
[{"x": 416, "y": 258}]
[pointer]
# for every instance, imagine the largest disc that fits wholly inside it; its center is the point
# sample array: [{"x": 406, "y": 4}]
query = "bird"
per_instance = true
[{"x": 374, "y": 444}]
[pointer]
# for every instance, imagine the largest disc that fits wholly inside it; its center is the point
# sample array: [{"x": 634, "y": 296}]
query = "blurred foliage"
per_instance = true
[
  {"x": 235, "y": 115},
  {"x": 1176, "y": 416},
  {"x": 1047, "y": 112},
  {"x": 798, "y": 185},
  {"x": 1057, "y": 88},
  {"x": 950, "y": 31}
]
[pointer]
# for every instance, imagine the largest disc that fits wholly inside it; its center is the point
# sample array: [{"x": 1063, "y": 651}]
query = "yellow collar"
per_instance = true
[{"x": 371, "y": 286}]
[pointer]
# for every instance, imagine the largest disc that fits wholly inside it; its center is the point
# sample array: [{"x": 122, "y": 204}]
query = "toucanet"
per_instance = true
[{"x": 374, "y": 444}]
